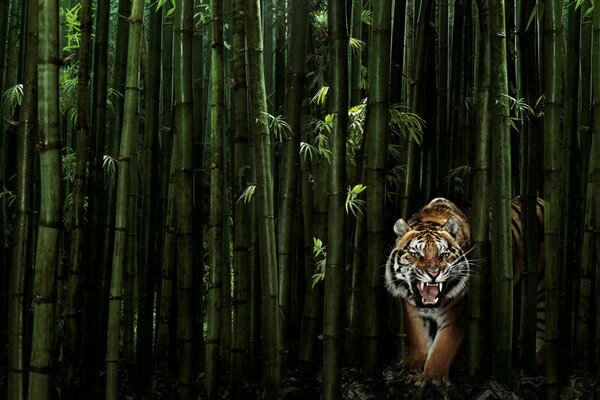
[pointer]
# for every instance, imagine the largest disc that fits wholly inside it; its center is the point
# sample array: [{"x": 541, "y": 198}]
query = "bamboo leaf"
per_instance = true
[
  {"x": 356, "y": 45},
  {"x": 110, "y": 165},
  {"x": 7, "y": 197},
  {"x": 307, "y": 149},
  {"x": 532, "y": 15},
  {"x": 320, "y": 96},
  {"x": 320, "y": 254},
  {"x": 367, "y": 17},
  {"x": 353, "y": 204},
  {"x": 247, "y": 195},
  {"x": 11, "y": 99},
  {"x": 278, "y": 125}
]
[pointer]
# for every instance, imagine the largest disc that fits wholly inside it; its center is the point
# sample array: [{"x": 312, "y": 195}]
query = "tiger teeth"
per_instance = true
[{"x": 422, "y": 285}]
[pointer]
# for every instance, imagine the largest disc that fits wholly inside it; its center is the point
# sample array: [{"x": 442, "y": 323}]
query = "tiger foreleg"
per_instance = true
[
  {"x": 417, "y": 338},
  {"x": 442, "y": 353}
]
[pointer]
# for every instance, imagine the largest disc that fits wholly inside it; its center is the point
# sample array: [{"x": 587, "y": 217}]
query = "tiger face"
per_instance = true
[{"x": 427, "y": 265}]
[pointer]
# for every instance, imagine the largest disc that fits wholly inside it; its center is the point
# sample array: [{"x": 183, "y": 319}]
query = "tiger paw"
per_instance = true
[
  {"x": 434, "y": 379},
  {"x": 412, "y": 364}
]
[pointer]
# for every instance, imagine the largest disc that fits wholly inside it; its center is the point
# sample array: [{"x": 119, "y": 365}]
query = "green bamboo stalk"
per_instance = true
[
  {"x": 355, "y": 305},
  {"x": 213, "y": 341},
  {"x": 200, "y": 61},
  {"x": 594, "y": 168},
  {"x": 242, "y": 177},
  {"x": 77, "y": 261},
  {"x": 313, "y": 299},
  {"x": 127, "y": 147},
  {"x": 148, "y": 265},
  {"x": 108, "y": 199},
  {"x": 582, "y": 356},
  {"x": 14, "y": 41},
  {"x": 93, "y": 309},
  {"x": 468, "y": 90},
  {"x": 182, "y": 72},
  {"x": 570, "y": 235},
  {"x": 130, "y": 306},
  {"x": 409, "y": 38},
  {"x": 166, "y": 123},
  {"x": 290, "y": 157},
  {"x": 477, "y": 306},
  {"x": 4, "y": 16},
  {"x": 376, "y": 151},
  {"x": 333, "y": 325},
  {"x": 44, "y": 286},
  {"x": 309, "y": 326},
  {"x": 457, "y": 139},
  {"x": 500, "y": 193},
  {"x": 530, "y": 165},
  {"x": 4, "y": 22},
  {"x": 553, "y": 88},
  {"x": 398, "y": 49},
  {"x": 268, "y": 24},
  {"x": 226, "y": 214},
  {"x": 585, "y": 117},
  {"x": 215, "y": 224},
  {"x": 164, "y": 349},
  {"x": 165, "y": 357},
  {"x": 281, "y": 53},
  {"x": 254, "y": 325},
  {"x": 416, "y": 94},
  {"x": 442, "y": 140},
  {"x": 265, "y": 208},
  {"x": 355, "y": 56},
  {"x": 118, "y": 78},
  {"x": 23, "y": 234}
]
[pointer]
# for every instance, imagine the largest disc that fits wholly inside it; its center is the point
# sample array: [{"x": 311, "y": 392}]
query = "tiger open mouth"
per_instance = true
[{"x": 429, "y": 292}]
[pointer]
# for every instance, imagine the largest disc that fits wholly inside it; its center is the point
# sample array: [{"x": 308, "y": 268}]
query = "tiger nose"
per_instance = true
[{"x": 433, "y": 272}]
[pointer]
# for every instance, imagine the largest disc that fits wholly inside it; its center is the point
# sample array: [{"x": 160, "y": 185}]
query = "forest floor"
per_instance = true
[{"x": 396, "y": 383}]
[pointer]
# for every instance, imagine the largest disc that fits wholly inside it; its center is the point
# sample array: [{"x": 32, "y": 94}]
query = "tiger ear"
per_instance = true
[
  {"x": 401, "y": 227},
  {"x": 451, "y": 226}
]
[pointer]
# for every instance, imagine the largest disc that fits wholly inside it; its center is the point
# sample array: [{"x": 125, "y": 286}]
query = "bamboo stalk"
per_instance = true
[
  {"x": 215, "y": 223},
  {"x": 127, "y": 147},
  {"x": 553, "y": 103},
  {"x": 242, "y": 177},
  {"x": 77, "y": 262},
  {"x": 290, "y": 157},
  {"x": 377, "y": 120},
  {"x": 44, "y": 286},
  {"x": 582, "y": 355},
  {"x": 334, "y": 273},
  {"x": 477, "y": 306},
  {"x": 23, "y": 234},
  {"x": 500, "y": 193},
  {"x": 272, "y": 333},
  {"x": 92, "y": 309}
]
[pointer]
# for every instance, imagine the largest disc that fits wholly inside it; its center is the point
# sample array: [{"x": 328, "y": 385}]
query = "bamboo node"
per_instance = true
[
  {"x": 40, "y": 370},
  {"x": 39, "y": 299}
]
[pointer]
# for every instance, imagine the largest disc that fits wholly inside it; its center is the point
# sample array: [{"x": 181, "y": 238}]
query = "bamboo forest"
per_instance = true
[{"x": 299, "y": 199}]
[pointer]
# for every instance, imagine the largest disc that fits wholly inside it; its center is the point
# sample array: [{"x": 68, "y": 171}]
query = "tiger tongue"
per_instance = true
[{"x": 429, "y": 294}]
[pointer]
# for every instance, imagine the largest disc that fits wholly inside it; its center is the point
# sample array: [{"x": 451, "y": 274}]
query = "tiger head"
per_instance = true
[{"x": 427, "y": 265}]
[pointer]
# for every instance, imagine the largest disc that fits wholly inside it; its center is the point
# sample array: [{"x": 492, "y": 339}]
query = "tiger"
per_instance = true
[{"x": 429, "y": 269}]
